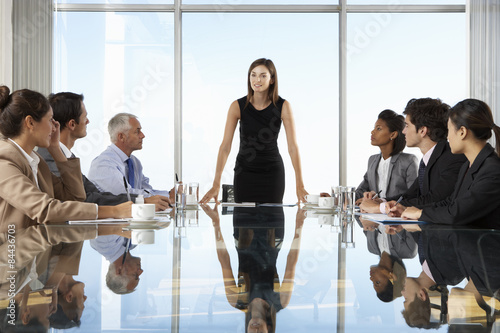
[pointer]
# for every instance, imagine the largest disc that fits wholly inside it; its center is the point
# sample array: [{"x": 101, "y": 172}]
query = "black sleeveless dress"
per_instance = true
[
  {"x": 259, "y": 173},
  {"x": 258, "y": 235}
]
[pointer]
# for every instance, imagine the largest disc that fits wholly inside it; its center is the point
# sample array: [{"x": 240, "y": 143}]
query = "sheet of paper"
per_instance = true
[
  {"x": 99, "y": 221},
  {"x": 235, "y": 204},
  {"x": 164, "y": 212},
  {"x": 387, "y": 219},
  {"x": 275, "y": 205}
]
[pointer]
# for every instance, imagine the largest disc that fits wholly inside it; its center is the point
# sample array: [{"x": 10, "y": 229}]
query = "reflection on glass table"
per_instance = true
[{"x": 270, "y": 268}]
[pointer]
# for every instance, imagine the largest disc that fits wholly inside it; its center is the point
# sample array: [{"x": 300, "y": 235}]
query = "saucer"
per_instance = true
[
  {"x": 310, "y": 206},
  {"x": 148, "y": 226},
  {"x": 143, "y": 221},
  {"x": 324, "y": 210}
]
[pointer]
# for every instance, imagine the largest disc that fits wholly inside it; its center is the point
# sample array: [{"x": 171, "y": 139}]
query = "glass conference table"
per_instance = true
[{"x": 297, "y": 270}]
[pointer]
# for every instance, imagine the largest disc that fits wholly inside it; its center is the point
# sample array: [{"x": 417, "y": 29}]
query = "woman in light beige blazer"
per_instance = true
[{"x": 29, "y": 192}]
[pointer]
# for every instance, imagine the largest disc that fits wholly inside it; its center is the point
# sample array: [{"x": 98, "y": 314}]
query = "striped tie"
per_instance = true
[{"x": 421, "y": 173}]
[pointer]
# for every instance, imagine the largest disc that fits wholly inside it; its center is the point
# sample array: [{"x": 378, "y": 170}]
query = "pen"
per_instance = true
[
  {"x": 176, "y": 177},
  {"x": 399, "y": 200},
  {"x": 377, "y": 194},
  {"x": 126, "y": 188}
]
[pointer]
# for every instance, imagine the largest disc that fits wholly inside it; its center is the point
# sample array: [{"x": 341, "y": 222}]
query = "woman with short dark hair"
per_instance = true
[{"x": 391, "y": 172}]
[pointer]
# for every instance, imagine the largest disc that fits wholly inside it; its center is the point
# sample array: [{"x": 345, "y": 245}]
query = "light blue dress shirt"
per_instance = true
[
  {"x": 110, "y": 247},
  {"x": 108, "y": 169}
]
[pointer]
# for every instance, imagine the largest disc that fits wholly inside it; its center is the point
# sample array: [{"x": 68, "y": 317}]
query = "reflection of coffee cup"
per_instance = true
[
  {"x": 311, "y": 214},
  {"x": 325, "y": 219},
  {"x": 312, "y": 198},
  {"x": 326, "y": 202},
  {"x": 191, "y": 200},
  {"x": 143, "y": 237},
  {"x": 143, "y": 211}
]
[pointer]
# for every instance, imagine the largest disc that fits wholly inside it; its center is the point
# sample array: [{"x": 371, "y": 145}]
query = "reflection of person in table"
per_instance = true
[
  {"x": 391, "y": 245},
  {"x": 28, "y": 311},
  {"x": 48, "y": 258},
  {"x": 259, "y": 174},
  {"x": 392, "y": 172},
  {"x": 258, "y": 236},
  {"x": 124, "y": 269},
  {"x": 450, "y": 256}
]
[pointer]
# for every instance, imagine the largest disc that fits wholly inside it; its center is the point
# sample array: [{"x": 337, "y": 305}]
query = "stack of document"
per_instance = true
[
  {"x": 382, "y": 218},
  {"x": 253, "y": 204},
  {"x": 235, "y": 204},
  {"x": 99, "y": 221}
]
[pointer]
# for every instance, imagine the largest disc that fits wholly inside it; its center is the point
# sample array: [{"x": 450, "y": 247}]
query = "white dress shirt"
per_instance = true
[
  {"x": 33, "y": 160},
  {"x": 383, "y": 175}
]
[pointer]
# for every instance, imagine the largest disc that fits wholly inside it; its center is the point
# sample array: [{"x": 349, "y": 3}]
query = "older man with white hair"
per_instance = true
[{"x": 116, "y": 165}]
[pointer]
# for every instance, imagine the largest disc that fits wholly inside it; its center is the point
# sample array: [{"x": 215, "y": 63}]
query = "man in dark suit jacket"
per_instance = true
[
  {"x": 426, "y": 128},
  {"x": 69, "y": 110}
]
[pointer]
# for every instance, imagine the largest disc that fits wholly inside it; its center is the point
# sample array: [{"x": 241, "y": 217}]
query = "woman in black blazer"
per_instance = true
[
  {"x": 476, "y": 198},
  {"x": 401, "y": 170}
]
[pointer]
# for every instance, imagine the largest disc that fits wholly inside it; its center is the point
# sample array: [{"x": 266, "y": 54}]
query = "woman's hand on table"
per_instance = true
[
  {"x": 301, "y": 194},
  {"x": 212, "y": 193}
]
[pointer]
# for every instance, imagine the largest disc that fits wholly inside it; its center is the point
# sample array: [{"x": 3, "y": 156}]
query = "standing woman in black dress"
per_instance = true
[{"x": 259, "y": 174}]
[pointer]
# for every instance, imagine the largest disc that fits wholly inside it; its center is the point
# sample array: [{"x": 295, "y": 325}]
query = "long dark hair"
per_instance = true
[
  {"x": 396, "y": 123},
  {"x": 273, "y": 87},
  {"x": 270, "y": 316},
  {"x": 476, "y": 116},
  {"x": 17, "y": 106}
]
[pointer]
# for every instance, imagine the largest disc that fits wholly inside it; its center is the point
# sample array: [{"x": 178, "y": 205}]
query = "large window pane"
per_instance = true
[
  {"x": 393, "y": 58},
  {"x": 395, "y": 4},
  {"x": 121, "y": 2},
  {"x": 121, "y": 62},
  {"x": 216, "y": 58},
  {"x": 260, "y": 2}
]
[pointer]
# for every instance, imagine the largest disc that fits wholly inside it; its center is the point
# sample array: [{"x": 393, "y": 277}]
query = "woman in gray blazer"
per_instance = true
[{"x": 391, "y": 172}]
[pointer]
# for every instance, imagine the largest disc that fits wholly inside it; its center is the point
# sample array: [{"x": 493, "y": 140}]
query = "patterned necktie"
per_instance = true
[
  {"x": 130, "y": 165},
  {"x": 421, "y": 173}
]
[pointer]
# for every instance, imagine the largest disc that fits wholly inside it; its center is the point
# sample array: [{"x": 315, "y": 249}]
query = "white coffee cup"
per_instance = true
[
  {"x": 143, "y": 237},
  {"x": 312, "y": 198},
  {"x": 191, "y": 200},
  {"x": 143, "y": 211},
  {"x": 326, "y": 202}
]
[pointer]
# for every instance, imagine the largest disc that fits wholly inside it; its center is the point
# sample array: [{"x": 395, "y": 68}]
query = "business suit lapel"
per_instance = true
[
  {"x": 394, "y": 159},
  {"x": 372, "y": 172},
  {"x": 471, "y": 172},
  {"x": 438, "y": 151},
  {"x": 21, "y": 160}
]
